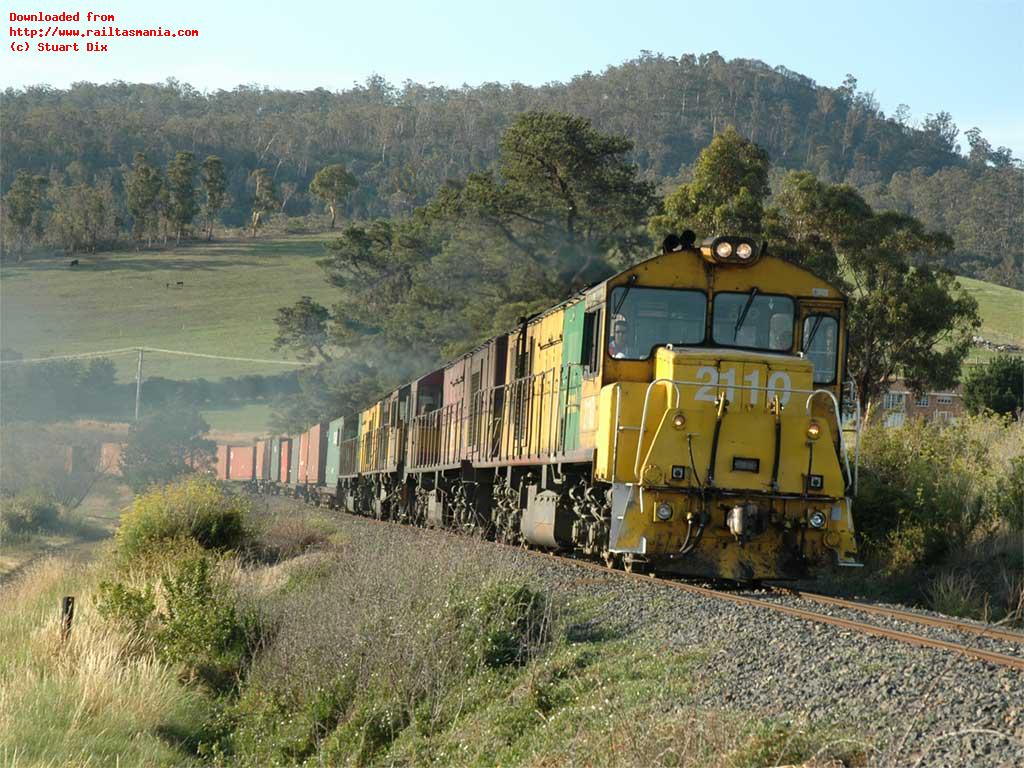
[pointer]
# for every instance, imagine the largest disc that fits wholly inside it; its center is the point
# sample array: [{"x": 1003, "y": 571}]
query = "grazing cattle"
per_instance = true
[
  {"x": 181, "y": 283},
  {"x": 74, "y": 263}
]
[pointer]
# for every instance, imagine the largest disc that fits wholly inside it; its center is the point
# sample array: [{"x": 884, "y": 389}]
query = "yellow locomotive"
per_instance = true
[{"x": 683, "y": 415}]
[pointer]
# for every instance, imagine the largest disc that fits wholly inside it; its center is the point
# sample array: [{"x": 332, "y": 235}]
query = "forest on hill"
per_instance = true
[{"x": 403, "y": 143}]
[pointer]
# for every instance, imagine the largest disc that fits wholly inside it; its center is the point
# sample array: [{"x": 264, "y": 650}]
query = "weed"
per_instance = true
[{"x": 197, "y": 509}]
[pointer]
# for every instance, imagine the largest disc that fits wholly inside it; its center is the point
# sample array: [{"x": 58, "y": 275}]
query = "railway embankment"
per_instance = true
[
  {"x": 311, "y": 636},
  {"x": 894, "y": 703}
]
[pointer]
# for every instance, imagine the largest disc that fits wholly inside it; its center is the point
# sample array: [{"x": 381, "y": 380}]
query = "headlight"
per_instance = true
[
  {"x": 664, "y": 511},
  {"x": 817, "y": 519},
  {"x": 744, "y": 251},
  {"x": 679, "y": 421},
  {"x": 813, "y": 431},
  {"x": 723, "y": 250}
]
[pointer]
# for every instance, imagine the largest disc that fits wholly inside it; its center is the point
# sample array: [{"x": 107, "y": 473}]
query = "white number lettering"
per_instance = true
[
  {"x": 779, "y": 382},
  {"x": 709, "y": 374},
  {"x": 728, "y": 378},
  {"x": 751, "y": 380}
]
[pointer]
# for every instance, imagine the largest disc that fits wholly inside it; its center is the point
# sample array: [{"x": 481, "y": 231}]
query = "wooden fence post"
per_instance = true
[{"x": 67, "y": 614}]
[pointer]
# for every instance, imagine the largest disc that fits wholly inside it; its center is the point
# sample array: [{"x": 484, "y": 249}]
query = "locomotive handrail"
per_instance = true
[
  {"x": 642, "y": 428},
  {"x": 839, "y": 426},
  {"x": 526, "y": 402},
  {"x": 857, "y": 426},
  {"x": 643, "y": 419},
  {"x": 617, "y": 389}
]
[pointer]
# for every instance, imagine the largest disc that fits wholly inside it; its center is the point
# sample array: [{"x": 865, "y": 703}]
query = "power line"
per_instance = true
[
  {"x": 224, "y": 357},
  {"x": 136, "y": 350},
  {"x": 123, "y": 350}
]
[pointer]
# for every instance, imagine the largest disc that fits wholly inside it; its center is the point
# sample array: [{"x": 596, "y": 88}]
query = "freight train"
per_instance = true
[{"x": 684, "y": 416}]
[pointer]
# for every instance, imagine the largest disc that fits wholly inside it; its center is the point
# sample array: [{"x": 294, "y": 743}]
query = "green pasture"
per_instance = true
[
  {"x": 226, "y": 305},
  {"x": 1002, "y": 311},
  {"x": 231, "y": 291}
]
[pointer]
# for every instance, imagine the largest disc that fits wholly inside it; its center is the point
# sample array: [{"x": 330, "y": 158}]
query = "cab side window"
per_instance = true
[
  {"x": 592, "y": 341},
  {"x": 821, "y": 346}
]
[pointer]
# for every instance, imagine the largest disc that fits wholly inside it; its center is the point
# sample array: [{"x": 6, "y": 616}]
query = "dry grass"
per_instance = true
[
  {"x": 379, "y": 637},
  {"x": 985, "y": 580},
  {"x": 284, "y": 537},
  {"x": 93, "y": 700}
]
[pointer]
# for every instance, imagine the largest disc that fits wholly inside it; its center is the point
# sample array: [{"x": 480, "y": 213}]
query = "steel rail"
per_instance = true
[
  {"x": 908, "y": 638},
  {"x": 954, "y": 625}
]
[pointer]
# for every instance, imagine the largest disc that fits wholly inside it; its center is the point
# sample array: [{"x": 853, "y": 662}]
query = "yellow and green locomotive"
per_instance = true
[{"x": 683, "y": 415}]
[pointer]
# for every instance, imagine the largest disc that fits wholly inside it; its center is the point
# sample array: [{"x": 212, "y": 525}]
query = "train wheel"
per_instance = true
[{"x": 633, "y": 564}]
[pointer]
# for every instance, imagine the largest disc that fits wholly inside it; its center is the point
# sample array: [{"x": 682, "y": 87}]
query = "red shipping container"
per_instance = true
[
  {"x": 241, "y": 462},
  {"x": 303, "y": 457},
  {"x": 284, "y": 470},
  {"x": 316, "y": 453},
  {"x": 222, "y": 461},
  {"x": 262, "y": 452}
]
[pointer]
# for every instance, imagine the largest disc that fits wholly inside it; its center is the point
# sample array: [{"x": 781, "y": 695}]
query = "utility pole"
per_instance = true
[{"x": 138, "y": 386}]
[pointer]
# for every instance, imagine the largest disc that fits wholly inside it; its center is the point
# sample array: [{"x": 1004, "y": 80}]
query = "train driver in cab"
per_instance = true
[{"x": 618, "y": 344}]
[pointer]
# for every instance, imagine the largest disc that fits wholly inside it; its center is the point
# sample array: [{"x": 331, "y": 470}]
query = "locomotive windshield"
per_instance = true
[
  {"x": 644, "y": 318},
  {"x": 753, "y": 321}
]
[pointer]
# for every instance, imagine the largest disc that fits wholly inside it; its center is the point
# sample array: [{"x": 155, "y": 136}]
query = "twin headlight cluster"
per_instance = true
[{"x": 730, "y": 250}]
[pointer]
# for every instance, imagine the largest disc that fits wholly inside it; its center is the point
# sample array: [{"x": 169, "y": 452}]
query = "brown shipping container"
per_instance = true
[
  {"x": 259, "y": 459},
  {"x": 110, "y": 458},
  {"x": 283, "y": 470},
  {"x": 222, "y": 461},
  {"x": 242, "y": 462},
  {"x": 316, "y": 453},
  {"x": 303, "y": 457}
]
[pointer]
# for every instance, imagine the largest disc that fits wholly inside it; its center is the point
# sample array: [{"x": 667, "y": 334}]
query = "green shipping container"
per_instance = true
[
  {"x": 293, "y": 472},
  {"x": 275, "y": 459},
  {"x": 335, "y": 430}
]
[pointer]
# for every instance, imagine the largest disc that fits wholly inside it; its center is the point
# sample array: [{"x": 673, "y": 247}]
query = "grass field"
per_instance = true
[
  {"x": 245, "y": 420},
  {"x": 1002, "y": 311},
  {"x": 226, "y": 305}
]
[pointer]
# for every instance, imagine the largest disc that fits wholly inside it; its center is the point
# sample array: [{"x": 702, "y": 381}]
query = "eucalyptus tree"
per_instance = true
[
  {"x": 215, "y": 187},
  {"x": 332, "y": 184}
]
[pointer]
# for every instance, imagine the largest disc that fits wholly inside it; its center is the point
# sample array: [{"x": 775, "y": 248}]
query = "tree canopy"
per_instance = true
[
  {"x": 996, "y": 386},
  {"x": 164, "y": 445},
  {"x": 332, "y": 184},
  {"x": 404, "y": 143},
  {"x": 563, "y": 207},
  {"x": 905, "y": 316}
]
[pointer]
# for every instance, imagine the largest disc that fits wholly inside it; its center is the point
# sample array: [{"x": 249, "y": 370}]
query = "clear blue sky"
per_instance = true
[{"x": 964, "y": 57}]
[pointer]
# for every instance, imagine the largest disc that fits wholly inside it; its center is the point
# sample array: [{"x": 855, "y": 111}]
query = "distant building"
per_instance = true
[{"x": 900, "y": 405}]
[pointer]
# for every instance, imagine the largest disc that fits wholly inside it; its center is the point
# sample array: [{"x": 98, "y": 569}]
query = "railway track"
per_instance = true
[
  {"x": 951, "y": 624},
  {"x": 863, "y": 627},
  {"x": 922, "y": 641}
]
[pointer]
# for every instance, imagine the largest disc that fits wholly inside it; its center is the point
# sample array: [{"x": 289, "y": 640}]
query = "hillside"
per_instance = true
[
  {"x": 226, "y": 305},
  {"x": 403, "y": 143}
]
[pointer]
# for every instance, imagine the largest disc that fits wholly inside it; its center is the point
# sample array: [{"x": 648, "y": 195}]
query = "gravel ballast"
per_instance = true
[{"x": 907, "y": 705}]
